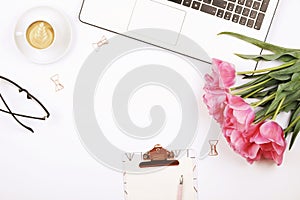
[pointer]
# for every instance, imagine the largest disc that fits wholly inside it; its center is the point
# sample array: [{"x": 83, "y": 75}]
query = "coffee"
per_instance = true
[{"x": 40, "y": 34}]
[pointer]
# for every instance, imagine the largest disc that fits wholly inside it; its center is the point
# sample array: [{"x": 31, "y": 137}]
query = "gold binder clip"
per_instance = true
[
  {"x": 213, "y": 147},
  {"x": 100, "y": 43},
  {"x": 58, "y": 85},
  {"x": 158, "y": 157}
]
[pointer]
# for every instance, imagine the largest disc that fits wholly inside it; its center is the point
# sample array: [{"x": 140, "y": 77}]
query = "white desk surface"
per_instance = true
[{"x": 53, "y": 165}]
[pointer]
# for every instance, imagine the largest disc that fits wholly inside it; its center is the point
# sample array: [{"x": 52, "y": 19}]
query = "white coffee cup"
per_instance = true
[{"x": 43, "y": 34}]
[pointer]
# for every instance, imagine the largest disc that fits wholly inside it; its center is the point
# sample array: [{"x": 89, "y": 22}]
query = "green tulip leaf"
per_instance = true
[
  {"x": 295, "y": 134},
  {"x": 284, "y": 57},
  {"x": 290, "y": 106},
  {"x": 296, "y": 76},
  {"x": 289, "y": 70},
  {"x": 280, "y": 77},
  {"x": 295, "y": 114},
  {"x": 260, "y": 44},
  {"x": 263, "y": 94}
]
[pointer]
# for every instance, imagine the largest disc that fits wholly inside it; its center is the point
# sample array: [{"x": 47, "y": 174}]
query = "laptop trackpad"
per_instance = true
[{"x": 149, "y": 14}]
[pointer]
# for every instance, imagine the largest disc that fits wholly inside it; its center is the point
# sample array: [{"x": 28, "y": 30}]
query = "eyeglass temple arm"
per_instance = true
[
  {"x": 28, "y": 128},
  {"x": 25, "y": 116}
]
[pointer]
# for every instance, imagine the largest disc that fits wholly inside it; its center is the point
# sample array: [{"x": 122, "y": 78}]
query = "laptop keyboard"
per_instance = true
[{"x": 248, "y": 13}]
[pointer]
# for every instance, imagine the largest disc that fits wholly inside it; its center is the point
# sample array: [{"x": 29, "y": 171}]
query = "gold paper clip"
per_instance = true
[
  {"x": 58, "y": 85},
  {"x": 158, "y": 157},
  {"x": 100, "y": 43},
  {"x": 213, "y": 147}
]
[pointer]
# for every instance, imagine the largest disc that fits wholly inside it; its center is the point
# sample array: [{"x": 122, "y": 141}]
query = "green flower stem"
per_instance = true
[
  {"x": 257, "y": 79},
  {"x": 278, "y": 108},
  {"x": 268, "y": 69},
  {"x": 292, "y": 124},
  {"x": 254, "y": 92},
  {"x": 264, "y": 118},
  {"x": 251, "y": 87},
  {"x": 256, "y": 104}
]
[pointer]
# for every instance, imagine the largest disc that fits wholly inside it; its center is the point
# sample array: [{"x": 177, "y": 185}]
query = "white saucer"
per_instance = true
[{"x": 62, "y": 31}]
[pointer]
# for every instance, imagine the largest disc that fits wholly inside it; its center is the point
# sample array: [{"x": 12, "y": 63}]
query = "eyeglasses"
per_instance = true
[{"x": 30, "y": 97}]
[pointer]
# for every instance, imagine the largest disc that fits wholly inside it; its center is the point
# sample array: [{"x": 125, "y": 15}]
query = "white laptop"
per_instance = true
[{"x": 199, "y": 20}]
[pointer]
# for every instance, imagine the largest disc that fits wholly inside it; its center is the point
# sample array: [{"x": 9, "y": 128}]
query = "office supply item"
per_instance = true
[
  {"x": 158, "y": 157},
  {"x": 12, "y": 86},
  {"x": 213, "y": 147},
  {"x": 100, "y": 43},
  {"x": 180, "y": 188},
  {"x": 58, "y": 85},
  {"x": 209, "y": 147},
  {"x": 160, "y": 178},
  {"x": 43, "y": 34},
  {"x": 200, "y": 20}
]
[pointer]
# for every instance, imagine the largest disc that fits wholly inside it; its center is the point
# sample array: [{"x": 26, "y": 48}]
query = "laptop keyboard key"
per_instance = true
[
  {"x": 219, "y": 3},
  {"x": 241, "y": 2},
  {"x": 208, "y": 9},
  {"x": 196, "y": 5},
  {"x": 249, "y": 3},
  {"x": 176, "y": 1},
  {"x": 243, "y": 20},
  {"x": 235, "y": 18},
  {"x": 246, "y": 11},
  {"x": 238, "y": 9},
  {"x": 250, "y": 23},
  {"x": 207, "y": 1},
  {"x": 259, "y": 21},
  {"x": 253, "y": 14},
  {"x": 227, "y": 15},
  {"x": 264, "y": 5},
  {"x": 220, "y": 13},
  {"x": 230, "y": 6},
  {"x": 187, "y": 3},
  {"x": 256, "y": 5}
]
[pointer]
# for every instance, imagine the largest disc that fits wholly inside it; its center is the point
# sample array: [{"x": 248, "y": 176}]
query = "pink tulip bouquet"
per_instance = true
[{"x": 247, "y": 113}]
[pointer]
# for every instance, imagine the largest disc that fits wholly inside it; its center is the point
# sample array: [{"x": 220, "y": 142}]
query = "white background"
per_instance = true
[{"x": 52, "y": 164}]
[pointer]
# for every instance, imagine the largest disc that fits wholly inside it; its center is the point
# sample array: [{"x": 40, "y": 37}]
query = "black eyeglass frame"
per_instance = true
[{"x": 29, "y": 96}]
